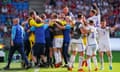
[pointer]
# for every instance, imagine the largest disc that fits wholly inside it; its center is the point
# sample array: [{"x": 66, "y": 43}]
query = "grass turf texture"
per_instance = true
[{"x": 16, "y": 67}]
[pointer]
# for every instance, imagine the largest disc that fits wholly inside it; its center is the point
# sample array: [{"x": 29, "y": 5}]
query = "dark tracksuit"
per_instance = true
[
  {"x": 48, "y": 45},
  {"x": 26, "y": 40},
  {"x": 66, "y": 42},
  {"x": 17, "y": 37}
]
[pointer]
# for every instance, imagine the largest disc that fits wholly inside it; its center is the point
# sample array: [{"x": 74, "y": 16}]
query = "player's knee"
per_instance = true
[
  {"x": 74, "y": 52},
  {"x": 109, "y": 54}
]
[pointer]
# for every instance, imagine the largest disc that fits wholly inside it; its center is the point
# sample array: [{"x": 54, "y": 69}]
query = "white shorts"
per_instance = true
[
  {"x": 91, "y": 50},
  {"x": 57, "y": 42},
  {"x": 103, "y": 47},
  {"x": 79, "y": 47}
]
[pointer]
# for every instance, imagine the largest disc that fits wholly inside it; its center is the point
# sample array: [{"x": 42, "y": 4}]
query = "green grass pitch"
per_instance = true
[{"x": 16, "y": 67}]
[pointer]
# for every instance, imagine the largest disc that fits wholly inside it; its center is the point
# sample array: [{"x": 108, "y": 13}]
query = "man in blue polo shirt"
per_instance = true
[{"x": 17, "y": 34}]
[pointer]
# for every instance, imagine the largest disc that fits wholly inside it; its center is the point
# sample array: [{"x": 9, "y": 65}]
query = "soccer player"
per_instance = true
[
  {"x": 95, "y": 15},
  {"x": 91, "y": 45},
  {"x": 32, "y": 22},
  {"x": 77, "y": 44},
  {"x": 17, "y": 36},
  {"x": 57, "y": 39},
  {"x": 104, "y": 43},
  {"x": 66, "y": 40}
]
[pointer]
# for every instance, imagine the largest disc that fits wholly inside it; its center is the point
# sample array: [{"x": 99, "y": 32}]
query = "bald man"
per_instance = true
[{"x": 17, "y": 34}]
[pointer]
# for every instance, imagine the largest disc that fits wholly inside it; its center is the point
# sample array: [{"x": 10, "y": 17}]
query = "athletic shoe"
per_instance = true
[
  {"x": 96, "y": 69},
  {"x": 80, "y": 70},
  {"x": 28, "y": 66},
  {"x": 57, "y": 65},
  {"x": 6, "y": 68},
  {"x": 110, "y": 67},
  {"x": 69, "y": 69}
]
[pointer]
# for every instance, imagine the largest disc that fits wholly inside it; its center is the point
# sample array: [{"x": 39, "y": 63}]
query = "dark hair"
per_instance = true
[
  {"x": 80, "y": 15},
  {"x": 103, "y": 19},
  {"x": 31, "y": 13},
  {"x": 43, "y": 16},
  {"x": 91, "y": 21},
  {"x": 54, "y": 15}
]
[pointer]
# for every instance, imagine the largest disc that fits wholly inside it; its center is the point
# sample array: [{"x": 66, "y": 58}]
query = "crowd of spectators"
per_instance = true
[
  {"x": 110, "y": 9},
  {"x": 10, "y": 9}
]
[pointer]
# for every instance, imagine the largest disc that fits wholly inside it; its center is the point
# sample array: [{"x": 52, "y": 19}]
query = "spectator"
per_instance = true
[{"x": 4, "y": 9}]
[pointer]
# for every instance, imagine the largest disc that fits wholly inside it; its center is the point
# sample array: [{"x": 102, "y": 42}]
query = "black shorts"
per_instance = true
[
  {"x": 38, "y": 49},
  {"x": 48, "y": 43}
]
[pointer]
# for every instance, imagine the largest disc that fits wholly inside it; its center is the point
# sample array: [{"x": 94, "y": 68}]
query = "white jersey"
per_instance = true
[
  {"x": 96, "y": 20},
  {"x": 103, "y": 34},
  {"x": 91, "y": 39}
]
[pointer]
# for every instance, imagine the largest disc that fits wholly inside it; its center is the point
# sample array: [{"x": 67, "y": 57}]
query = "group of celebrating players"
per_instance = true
[{"x": 48, "y": 41}]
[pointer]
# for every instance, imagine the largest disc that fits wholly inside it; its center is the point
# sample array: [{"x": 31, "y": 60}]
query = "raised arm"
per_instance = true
[
  {"x": 33, "y": 23},
  {"x": 96, "y": 8}
]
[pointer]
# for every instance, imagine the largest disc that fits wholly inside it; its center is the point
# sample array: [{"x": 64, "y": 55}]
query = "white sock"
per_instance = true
[
  {"x": 110, "y": 60},
  {"x": 59, "y": 57},
  {"x": 72, "y": 59},
  {"x": 102, "y": 61},
  {"x": 56, "y": 57},
  {"x": 95, "y": 61},
  {"x": 89, "y": 64},
  {"x": 80, "y": 62}
]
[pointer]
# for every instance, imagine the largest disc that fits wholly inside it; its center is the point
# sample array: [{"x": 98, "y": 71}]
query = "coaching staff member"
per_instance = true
[{"x": 17, "y": 34}]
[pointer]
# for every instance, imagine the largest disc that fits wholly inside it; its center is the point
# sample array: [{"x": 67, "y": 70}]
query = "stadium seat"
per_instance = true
[
  {"x": 15, "y": 4},
  {"x": 3, "y": 18},
  {"x": 20, "y": 4},
  {"x": 25, "y": 5}
]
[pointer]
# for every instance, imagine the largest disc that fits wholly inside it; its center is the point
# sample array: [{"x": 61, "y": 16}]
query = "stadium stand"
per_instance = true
[
  {"x": 8, "y": 10},
  {"x": 11, "y": 8},
  {"x": 110, "y": 9}
]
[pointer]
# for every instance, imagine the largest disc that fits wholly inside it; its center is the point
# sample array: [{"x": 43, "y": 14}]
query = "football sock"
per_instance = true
[
  {"x": 110, "y": 60},
  {"x": 89, "y": 63},
  {"x": 80, "y": 62},
  {"x": 56, "y": 57},
  {"x": 72, "y": 59},
  {"x": 95, "y": 61}
]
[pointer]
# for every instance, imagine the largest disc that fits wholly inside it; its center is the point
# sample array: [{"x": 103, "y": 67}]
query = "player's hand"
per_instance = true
[
  {"x": 84, "y": 19},
  {"x": 37, "y": 17},
  {"x": 28, "y": 30},
  {"x": 94, "y": 4}
]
